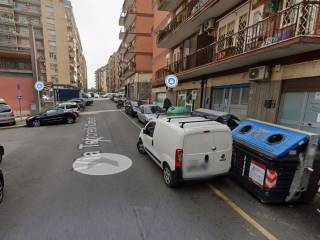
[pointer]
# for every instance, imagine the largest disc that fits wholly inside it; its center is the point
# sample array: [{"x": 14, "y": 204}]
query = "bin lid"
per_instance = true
[
  {"x": 178, "y": 111},
  {"x": 269, "y": 139}
]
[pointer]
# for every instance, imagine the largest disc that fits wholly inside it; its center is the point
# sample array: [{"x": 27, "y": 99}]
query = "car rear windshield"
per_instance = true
[
  {"x": 152, "y": 110},
  {"x": 134, "y": 104},
  {"x": 4, "y": 108}
]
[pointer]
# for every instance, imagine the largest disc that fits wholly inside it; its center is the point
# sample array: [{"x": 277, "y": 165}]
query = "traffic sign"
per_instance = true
[
  {"x": 39, "y": 86},
  {"x": 171, "y": 81},
  {"x": 19, "y": 97}
]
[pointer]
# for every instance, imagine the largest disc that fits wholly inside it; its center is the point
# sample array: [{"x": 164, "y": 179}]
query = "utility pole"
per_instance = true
[{"x": 34, "y": 61}]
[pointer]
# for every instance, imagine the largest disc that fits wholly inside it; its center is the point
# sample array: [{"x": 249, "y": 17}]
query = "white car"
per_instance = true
[
  {"x": 70, "y": 107},
  {"x": 187, "y": 148},
  {"x": 148, "y": 112}
]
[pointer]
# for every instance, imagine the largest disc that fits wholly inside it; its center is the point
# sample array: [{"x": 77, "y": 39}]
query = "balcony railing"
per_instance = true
[
  {"x": 11, "y": 65},
  {"x": 302, "y": 19},
  {"x": 190, "y": 9},
  {"x": 6, "y": 2}
]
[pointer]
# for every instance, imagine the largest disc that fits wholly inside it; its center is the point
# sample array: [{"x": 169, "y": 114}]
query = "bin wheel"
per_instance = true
[{"x": 308, "y": 196}]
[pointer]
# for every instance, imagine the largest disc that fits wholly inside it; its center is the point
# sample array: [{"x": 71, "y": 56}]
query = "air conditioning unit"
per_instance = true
[{"x": 262, "y": 73}]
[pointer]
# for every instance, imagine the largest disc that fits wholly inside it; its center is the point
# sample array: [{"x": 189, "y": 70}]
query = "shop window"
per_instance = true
[
  {"x": 245, "y": 96},
  {"x": 218, "y": 96},
  {"x": 235, "y": 97}
]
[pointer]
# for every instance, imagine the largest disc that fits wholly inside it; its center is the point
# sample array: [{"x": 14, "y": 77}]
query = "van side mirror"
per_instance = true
[{"x": 145, "y": 131}]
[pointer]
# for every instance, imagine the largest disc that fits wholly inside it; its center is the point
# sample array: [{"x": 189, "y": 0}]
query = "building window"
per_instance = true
[
  {"x": 221, "y": 37},
  {"x": 52, "y": 43},
  {"x": 53, "y": 56}
]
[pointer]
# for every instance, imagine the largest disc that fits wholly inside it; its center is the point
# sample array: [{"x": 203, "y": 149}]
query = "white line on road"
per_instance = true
[
  {"x": 97, "y": 112},
  {"x": 134, "y": 123}
]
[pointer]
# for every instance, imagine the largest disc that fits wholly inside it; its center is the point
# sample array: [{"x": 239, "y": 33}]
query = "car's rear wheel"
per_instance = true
[
  {"x": 36, "y": 123},
  {"x": 140, "y": 147},
  {"x": 70, "y": 120},
  {"x": 1, "y": 190},
  {"x": 169, "y": 177}
]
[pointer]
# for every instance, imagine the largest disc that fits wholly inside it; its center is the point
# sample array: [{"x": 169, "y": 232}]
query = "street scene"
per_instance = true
[
  {"x": 47, "y": 189},
  {"x": 159, "y": 119}
]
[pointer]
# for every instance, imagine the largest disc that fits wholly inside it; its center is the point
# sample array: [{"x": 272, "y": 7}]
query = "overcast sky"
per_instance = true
[{"x": 97, "y": 22}]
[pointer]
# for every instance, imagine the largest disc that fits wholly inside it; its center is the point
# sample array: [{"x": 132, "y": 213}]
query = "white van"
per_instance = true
[{"x": 187, "y": 148}]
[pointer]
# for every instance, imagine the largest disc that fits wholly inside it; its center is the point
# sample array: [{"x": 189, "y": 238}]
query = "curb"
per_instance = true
[{"x": 12, "y": 127}]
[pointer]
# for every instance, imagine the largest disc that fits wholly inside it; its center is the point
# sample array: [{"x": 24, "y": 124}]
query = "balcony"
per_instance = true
[
  {"x": 28, "y": 10},
  {"x": 127, "y": 18},
  {"x": 14, "y": 66},
  {"x": 128, "y": 35},
  {"x": 187, "y": 22},
  {"x": 292, "y": 31},
  {"x": 127, "y": 4},
  {"x": 6, "y": 3},
  {"x": 6, "y": 20},
  {"x": 128, "y": 69},
  {"x": 168, "y": 5}
]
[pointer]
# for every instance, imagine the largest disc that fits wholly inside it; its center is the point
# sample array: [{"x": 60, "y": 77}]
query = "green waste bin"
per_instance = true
[{"x": 178, "y": 111}]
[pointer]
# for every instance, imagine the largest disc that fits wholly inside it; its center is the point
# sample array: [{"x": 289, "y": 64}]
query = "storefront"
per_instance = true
[
  {"x": 231, "y": 98},
  {"x": 159, "y": 98},
  {"x": 189, "y": 99}
]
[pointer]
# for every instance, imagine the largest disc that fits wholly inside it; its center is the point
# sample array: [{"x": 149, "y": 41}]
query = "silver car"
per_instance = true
[
  {"x": 6, "y": 115},
  {"x": 148, "y": 112}
]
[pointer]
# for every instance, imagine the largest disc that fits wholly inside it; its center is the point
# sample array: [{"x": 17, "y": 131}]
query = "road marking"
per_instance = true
[
  {"x": 228, "y": 201},
  {"x": 100, "y": 111},
  {"x": 242, "y": 213},
  {"x": 134, "y": 123}
]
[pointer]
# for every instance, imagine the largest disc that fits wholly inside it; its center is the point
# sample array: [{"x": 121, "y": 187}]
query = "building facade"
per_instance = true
[
  {"x": 254, "y": 58},
  {"x": 136, "y": 48},
  {"x": 59, "y": 52},
  {"x": 101, "y": 79}
]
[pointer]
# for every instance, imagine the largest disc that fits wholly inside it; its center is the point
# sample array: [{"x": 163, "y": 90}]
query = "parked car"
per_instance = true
[
  {"x": 51, "y": 116},
  {"x": 96, "y": 95},
  {"x": 70, "y": 107},
  {"x": 187, "y": 148},
  {"x": 222, "y": 117},
  {"x": 6, "y": 115},
  {"x": 1, "y": 153},
  {"x": 132, "y": 108},
  {"x": 87, "y": 98},
  {"x": 148, "y": 112},
  {"x": 3, "y": 102},
  {"x": 80, "y": 102},
  {"x": 1, "y": 186}
]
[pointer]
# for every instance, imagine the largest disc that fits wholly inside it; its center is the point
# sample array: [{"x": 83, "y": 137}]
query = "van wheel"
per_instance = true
[
  {"x": 140, "y": 147},
  {"x": 169, "y": 177}
]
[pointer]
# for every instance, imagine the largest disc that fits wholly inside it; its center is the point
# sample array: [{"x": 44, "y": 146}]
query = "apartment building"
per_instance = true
[
  {"x": 63, "y": 49},
  {"x": 55, "y": 31},
  {"x": 101, "y": 79},
  {"x": 136, "y": 48},
  {"x": 253, "y": 58}
]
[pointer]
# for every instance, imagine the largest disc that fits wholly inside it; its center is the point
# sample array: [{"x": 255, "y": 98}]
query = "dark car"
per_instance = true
[
  {"x": 80, "y": 102},
  {"x": 132, "y": 108},
  {"x": 51, "y": 116},
  {"x": 1, "y": 185},
  {"x": 1, "y": 153},
  {"x": 222, "y": 117}
]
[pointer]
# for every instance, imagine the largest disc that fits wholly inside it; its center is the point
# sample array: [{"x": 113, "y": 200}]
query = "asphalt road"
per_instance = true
[{"x": 46, "y": 199}]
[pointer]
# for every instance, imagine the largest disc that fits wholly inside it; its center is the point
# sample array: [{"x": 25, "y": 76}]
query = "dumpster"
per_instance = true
[
  {"x": 275, "y": 163},
  {"x": 222, "y": 117},
  {"x": 178, "y": 111}
]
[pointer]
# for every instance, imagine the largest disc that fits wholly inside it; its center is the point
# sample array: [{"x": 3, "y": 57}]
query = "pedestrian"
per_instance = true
[{"x": 167, "y": 104}]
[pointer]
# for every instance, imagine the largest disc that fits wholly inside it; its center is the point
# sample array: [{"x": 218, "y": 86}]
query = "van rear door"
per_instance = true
[{"x": 207, "y": 153}]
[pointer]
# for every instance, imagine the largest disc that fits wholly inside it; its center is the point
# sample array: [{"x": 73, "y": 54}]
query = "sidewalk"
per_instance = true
[{"x": 20, "y": 122}]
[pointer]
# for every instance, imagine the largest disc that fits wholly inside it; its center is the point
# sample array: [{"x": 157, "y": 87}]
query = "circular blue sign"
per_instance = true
[
  {"x": 171, "y": 81},
  {"x": 39, "y": 86}
]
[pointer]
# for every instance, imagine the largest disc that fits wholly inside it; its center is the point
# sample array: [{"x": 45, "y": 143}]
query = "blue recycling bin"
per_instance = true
[{"x": 266, "y": 159}]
